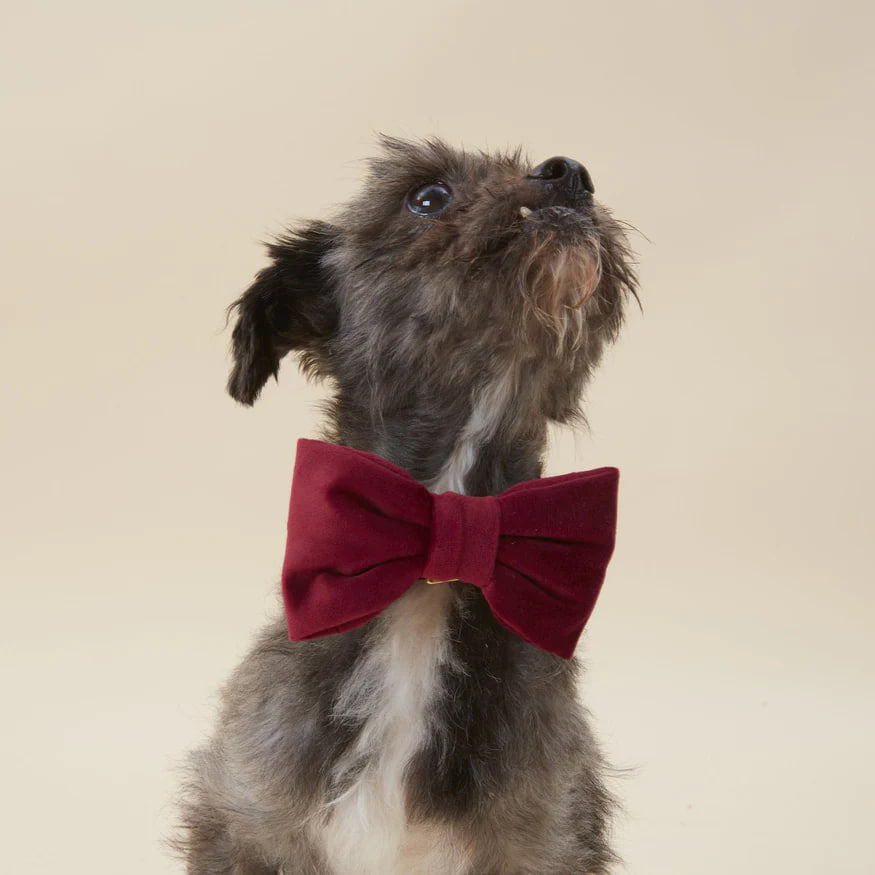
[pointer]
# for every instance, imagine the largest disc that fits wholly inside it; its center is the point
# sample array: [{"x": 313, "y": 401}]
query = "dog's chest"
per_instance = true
[{"x": 365, "y": 829}]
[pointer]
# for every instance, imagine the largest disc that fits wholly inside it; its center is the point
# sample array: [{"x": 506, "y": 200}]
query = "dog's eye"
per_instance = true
[{"x": 429, "y": 200}]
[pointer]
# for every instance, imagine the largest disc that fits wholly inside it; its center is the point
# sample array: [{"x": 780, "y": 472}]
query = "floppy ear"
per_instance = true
[{"x": 290, "y": 306}]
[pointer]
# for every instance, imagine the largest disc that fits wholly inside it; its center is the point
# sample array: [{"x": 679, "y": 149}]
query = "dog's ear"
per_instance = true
[{"x": 290, "y": 306}]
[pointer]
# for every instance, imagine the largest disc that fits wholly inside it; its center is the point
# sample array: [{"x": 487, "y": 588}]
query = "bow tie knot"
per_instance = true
[{"x": 464, "y": 538}]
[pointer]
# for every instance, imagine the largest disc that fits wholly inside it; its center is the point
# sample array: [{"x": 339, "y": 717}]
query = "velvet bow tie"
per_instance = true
[{"x": 362, "y": 531}]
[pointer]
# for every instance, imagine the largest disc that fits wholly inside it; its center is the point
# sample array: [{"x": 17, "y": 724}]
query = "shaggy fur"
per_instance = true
[{"x": 432, "y": 739}]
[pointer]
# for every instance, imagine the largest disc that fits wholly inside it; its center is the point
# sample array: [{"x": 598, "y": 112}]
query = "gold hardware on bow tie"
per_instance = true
[{"x": 451, "y": 580}]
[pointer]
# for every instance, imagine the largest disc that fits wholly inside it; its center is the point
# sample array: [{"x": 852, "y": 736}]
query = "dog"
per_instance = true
[{"x": 457, "y": 307}]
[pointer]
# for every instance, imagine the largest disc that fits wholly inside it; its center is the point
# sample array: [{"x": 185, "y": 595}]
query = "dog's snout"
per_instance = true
[{"x": 564, "y": 173}]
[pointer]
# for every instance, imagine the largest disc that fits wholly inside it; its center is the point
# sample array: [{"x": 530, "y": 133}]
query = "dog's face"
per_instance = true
[{"x": 448, "y": 268}]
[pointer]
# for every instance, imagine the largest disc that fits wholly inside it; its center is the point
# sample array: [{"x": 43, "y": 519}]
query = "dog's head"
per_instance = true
[{"x": 448, "y": 267}]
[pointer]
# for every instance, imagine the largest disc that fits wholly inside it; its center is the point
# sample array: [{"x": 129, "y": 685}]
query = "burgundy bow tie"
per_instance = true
[{"x": 362, "y": 531}]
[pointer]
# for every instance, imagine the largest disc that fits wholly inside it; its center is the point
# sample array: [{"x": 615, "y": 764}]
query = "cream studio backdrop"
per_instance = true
[{"x": 147, "y": 150}]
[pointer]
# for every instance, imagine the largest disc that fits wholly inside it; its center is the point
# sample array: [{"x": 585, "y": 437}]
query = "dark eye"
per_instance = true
[{"x": 429, "y": 200}]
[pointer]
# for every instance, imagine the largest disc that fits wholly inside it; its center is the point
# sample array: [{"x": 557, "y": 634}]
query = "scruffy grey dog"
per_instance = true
[{"x": 457, "y": 306}]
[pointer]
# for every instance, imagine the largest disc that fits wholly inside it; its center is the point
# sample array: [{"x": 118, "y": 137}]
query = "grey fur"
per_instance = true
[{"x": 450, "y": 343}]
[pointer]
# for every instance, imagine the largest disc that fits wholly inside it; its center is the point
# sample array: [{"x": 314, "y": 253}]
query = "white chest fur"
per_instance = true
[{"x": 366, "y": 829}]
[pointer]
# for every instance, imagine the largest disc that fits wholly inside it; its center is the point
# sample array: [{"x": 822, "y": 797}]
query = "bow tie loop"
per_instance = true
[{"x": 464, "y": 538}]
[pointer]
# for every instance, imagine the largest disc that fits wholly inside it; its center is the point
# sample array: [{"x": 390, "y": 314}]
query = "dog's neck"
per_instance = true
[{"x": 479, "y": 445}]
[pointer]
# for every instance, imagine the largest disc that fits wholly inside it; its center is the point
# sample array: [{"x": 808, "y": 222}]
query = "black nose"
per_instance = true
[{"x": 564, "y": 173}]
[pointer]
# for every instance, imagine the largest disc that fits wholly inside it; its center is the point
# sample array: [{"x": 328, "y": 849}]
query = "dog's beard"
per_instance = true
[{"x": 558, "y": 277}]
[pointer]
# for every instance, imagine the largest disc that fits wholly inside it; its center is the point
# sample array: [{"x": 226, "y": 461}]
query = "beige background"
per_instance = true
[{"x": 146, "y": 151}]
